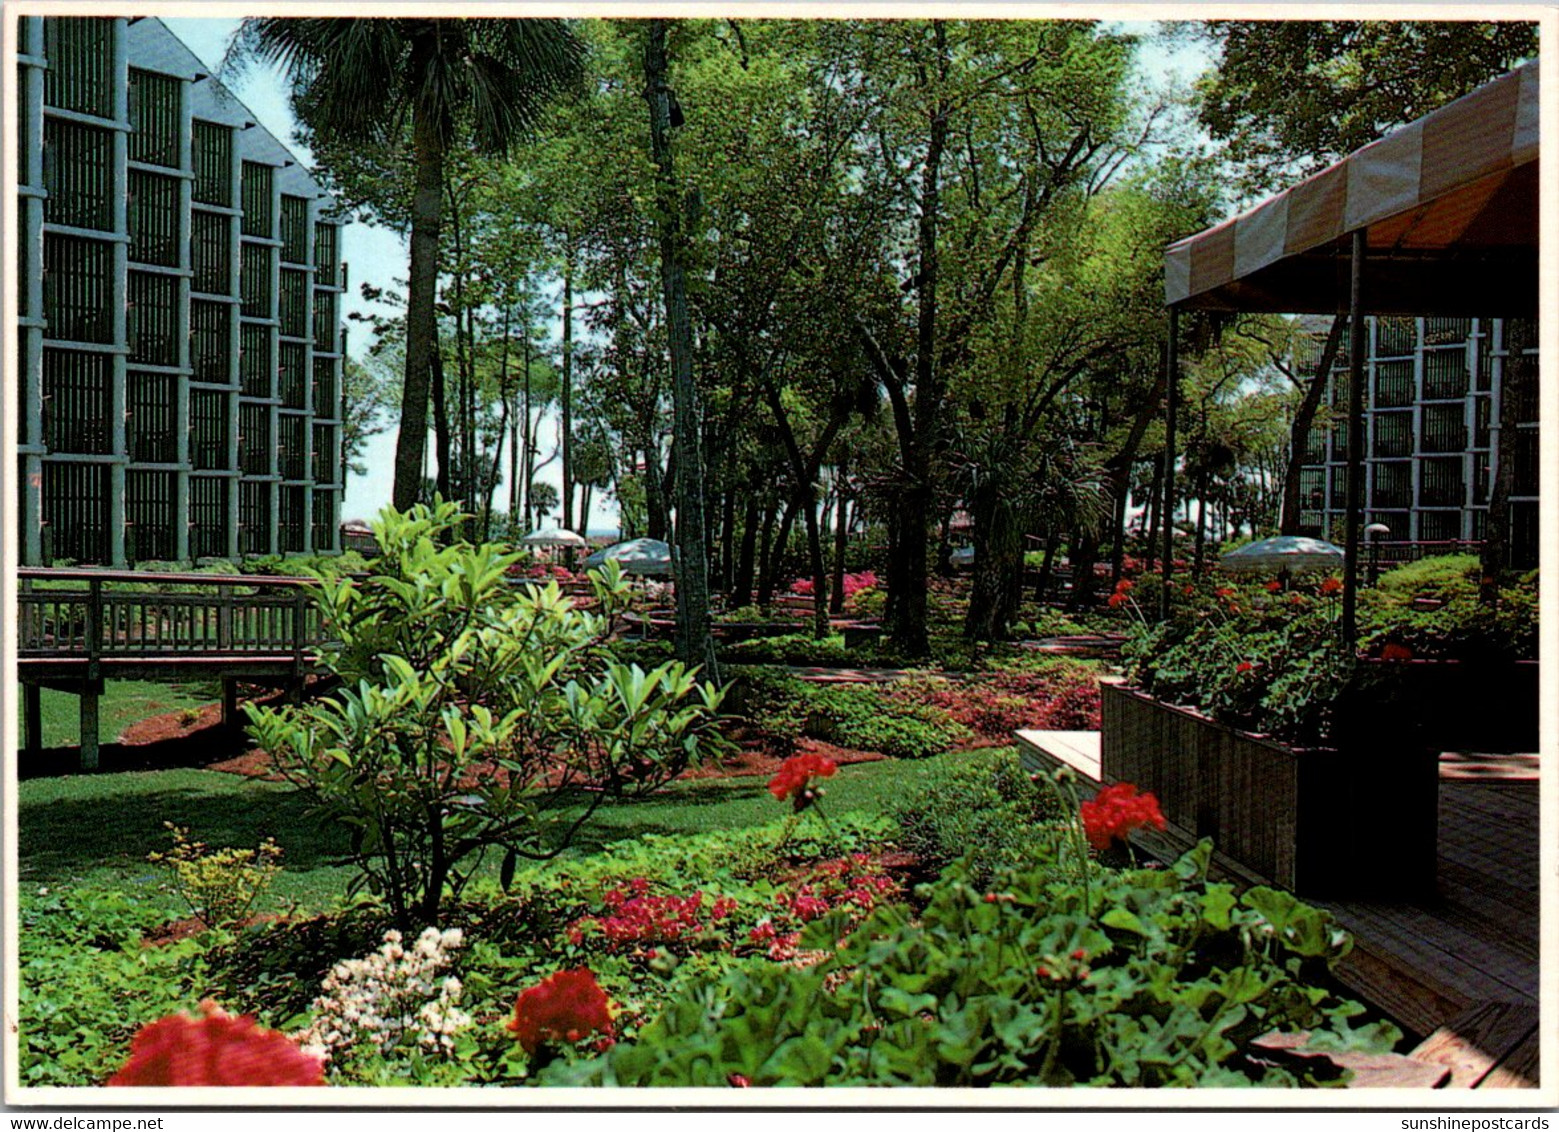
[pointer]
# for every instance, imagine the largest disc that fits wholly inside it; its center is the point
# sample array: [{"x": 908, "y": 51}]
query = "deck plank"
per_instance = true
[
  {"x": 1481, "y": 1041},
  {"x": 1460, "y": 965}
]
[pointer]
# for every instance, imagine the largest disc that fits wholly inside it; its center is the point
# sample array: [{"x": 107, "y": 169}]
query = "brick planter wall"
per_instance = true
[{"x": 1361, "y": 819}]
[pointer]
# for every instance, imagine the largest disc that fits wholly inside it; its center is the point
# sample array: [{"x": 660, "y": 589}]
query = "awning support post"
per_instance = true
[
  {"x": 1355, "y": 501},
  {"x": 1172, "y": 410}
]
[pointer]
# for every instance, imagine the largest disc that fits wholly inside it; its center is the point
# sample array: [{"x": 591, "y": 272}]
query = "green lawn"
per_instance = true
[
  {"x": 123, "y": 702},
  {"x": 97, "y": 829}
]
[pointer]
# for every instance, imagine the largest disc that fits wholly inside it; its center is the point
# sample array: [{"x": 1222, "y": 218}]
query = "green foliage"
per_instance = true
[
  {"x": 219, "y": 885},
  {"x": 792, "y": 648},
  {"x": 1308, "y": 91},
  {"x": 1265, "y": 667},
  {"x": 87, "y": 983},
  {"x": 1432, "y": 607},
  {"x": 983, "y": 808},
  {"x": 861, "y": 716},
  {"x": 1023, "y": 984},
  {"x": 470, "y": 711},
  {"x": 307, "y": 565}
]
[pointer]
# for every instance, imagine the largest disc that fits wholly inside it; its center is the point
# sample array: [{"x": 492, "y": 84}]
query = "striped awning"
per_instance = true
[{"x": 1449, "y": 205}]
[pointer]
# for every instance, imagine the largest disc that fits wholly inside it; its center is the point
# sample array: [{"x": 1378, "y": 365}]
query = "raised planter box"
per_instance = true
[{"x": 1359, "y": 819}]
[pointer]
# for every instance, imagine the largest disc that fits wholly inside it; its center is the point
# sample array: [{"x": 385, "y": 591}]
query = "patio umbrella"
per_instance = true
[
  {"x": 555, "y": 537},
  {"x": 647, "y": 556},
  {"x": 1284, "y": 552}
]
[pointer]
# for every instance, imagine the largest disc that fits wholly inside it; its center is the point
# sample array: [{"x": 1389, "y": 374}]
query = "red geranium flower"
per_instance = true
[
  {"x": 1243, "y": 667},
  {"x": 1117, "y": 600},
  {"x": 1330, "y": 586},
  {"x": 1274, "y": 586},
  {"x": 1117, "y": 810},
  {"x": 215, "y": 1049},
  {"x": 1123, "y": 585},
  {"x": 563, "y": 1007},
  {"x": 795, "y": 776}
]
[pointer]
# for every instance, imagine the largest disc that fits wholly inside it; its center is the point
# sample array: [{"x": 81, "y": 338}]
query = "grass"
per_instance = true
[
  {"x": 97, "y": 829},
  {"x": 123, "y": 703}
]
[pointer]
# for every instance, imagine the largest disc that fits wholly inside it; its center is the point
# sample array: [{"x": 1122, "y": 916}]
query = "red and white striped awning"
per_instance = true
[{"x": 1449, "y": 204}]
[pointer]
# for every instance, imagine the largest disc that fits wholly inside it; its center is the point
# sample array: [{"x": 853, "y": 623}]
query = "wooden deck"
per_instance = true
[{"x": 1459, "y": 968}]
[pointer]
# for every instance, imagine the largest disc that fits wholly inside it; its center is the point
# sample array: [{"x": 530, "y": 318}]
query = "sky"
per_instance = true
[{"x": 379, "y": 256}]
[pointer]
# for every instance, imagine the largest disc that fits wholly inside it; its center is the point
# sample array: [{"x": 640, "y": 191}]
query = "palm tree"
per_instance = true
[{"x": 359, "y": 79}]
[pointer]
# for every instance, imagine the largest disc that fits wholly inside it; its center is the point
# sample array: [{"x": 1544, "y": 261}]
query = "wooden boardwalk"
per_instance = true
[{"x": 1459, "y": 968}]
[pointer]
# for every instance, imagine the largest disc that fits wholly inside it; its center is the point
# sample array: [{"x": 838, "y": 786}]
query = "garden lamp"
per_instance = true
[{"x": 1373, "y": 532}]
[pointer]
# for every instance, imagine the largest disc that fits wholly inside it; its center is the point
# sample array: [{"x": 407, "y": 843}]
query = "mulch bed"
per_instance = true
[{"x": 196, "y": 738}]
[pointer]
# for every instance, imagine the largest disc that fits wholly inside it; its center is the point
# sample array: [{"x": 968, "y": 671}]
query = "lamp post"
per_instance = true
[{"x": 1374, "y": 532}]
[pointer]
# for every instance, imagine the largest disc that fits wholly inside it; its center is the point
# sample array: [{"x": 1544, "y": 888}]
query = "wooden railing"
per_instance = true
[
  {"x": 1394, "y": 552},
  {"x": 104, "y": 614}
]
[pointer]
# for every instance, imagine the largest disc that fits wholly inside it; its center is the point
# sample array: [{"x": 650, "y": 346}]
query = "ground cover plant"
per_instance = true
[{"x": 791, "y": 950}]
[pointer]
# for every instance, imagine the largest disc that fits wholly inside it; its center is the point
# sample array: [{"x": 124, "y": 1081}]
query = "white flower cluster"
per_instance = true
[{"x": 390, "y": 996}]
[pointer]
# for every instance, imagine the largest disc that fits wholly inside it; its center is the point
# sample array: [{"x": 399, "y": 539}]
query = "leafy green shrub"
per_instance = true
[
  {"x": 470, "y": 712},
  {"x": 791, "y": 648},
  {"x": 87, "y": 983},
  {"x": 1453, "y": 622},
  {"x": 865, "y": 717},
  {"x": 1437, "y": 576},
  {"x": 1273, "y": 662},
  {"x": 862, "y": 716},
  {"x": 1023, "y": 984},
  {"x": 985, "y": 809},
  {"x": 219, "y": 885}
]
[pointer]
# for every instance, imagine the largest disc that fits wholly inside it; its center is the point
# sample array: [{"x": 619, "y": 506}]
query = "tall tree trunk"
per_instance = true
[
  {"x": 528, "y": 460},
  {"x": 727, "y": 539},
  {"x": 421, "y": 317},
  {"x": 1047, "y": 566},
  {"x": 916, "y": 500},
  {"x": 657, "y": 519},
  {"x": 776, "y": 541},
  {"x": 1085, "y": 552},
  {"x": 695, "y": 645},
  {"x": 741, "y": 585},
  {"x": 1299, "y": 432},
  {"x": 566, "y": 390},
  {"x": 1155, "y": 494},
  {"x": 1515, "y": 388},
  {"x": 998, "y": 556},
  {"x": 441, "y": 428},
  {"x": 841, "y": 531},
  {"x": 1202, "y": 484}
]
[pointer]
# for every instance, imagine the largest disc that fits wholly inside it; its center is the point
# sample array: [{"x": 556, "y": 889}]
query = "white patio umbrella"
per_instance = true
[
  {"x": 555, "y": 537},
  {"x": 1293, "y": 553},
  {"x": 648, "y": 556}
]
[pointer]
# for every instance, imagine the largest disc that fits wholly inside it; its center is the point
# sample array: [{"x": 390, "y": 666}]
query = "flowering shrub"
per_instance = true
[
  {"x": 852, "y": 884},
  {"x": 794, "y": 782},
  {"x": 636, "y": 916},
  {"x": 1056, "y": 696},
  {"x": 467, "y": 703},
  {"x": 1135, "y": 978},
  {"x": 1115, "y": 811},
  {"x": 221, "y": 885},
  {"x": 547, "y": 572},
  {"x": 215, "y": 1049},
  {"x": 565, "y": 1007},
  {"x": 392, "y": 998}
]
